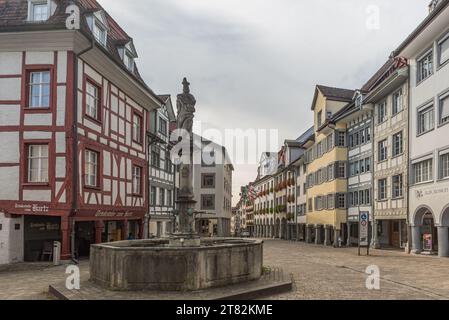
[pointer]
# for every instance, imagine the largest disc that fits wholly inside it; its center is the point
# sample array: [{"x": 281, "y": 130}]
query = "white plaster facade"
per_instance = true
[{"x": 429, "y": 193}]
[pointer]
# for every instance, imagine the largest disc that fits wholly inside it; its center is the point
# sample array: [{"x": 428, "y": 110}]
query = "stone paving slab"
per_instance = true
[{"x": 244, "y": 291}]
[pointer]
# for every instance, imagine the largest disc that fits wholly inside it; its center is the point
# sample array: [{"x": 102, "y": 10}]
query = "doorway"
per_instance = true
[{"x": 84, "y": 238}]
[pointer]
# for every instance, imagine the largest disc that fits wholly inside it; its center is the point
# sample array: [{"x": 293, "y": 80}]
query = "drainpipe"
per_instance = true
[
  {"x": 407, "y": 191},
  {"x": 75, "y": 167}
]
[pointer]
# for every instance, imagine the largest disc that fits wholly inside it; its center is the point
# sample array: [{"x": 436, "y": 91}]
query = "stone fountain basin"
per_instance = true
[{"x": 153, "y": 265}]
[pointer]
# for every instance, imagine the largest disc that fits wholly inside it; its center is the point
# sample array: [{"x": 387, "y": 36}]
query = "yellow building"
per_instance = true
[{"x": 327, "y": 168}]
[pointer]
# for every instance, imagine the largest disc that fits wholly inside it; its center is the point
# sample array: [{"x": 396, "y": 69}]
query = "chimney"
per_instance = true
[{"x": 433, "y": 5}]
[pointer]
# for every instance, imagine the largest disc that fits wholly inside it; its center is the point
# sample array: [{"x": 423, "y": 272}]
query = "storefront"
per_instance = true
[
  {"x": 392, "y": 233},
  {"x": 40, "y": 233},
  {"x": 105, "y": 226}
]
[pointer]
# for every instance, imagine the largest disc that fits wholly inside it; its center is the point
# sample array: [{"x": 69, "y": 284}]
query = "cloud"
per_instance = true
[{"x": 254, "y": 63}]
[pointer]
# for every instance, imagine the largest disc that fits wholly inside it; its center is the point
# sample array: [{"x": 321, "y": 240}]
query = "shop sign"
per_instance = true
[
  {"x": 32, "y": 208},
  {"x": 428, "y": 242},
  {"x": 112, "y": 214},
  {"x": 44, "y": 226},
  {"x": 430, "y": 192}
]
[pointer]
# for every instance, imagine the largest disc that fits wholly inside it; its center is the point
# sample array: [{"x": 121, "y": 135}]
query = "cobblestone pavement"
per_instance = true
[
  {"x": 319, "y": 273},
  {"x": 31, "y": 281},
  {"x": 327, "y": 273}
]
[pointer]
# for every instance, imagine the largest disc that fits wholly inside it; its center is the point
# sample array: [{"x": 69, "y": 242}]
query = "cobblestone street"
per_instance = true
[{"x": 319, "y": 273}]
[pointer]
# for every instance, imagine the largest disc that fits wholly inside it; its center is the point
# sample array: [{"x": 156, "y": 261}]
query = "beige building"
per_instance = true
[
  {"x": 387, "y": 90},
  {"x": 327, "y": 167}
]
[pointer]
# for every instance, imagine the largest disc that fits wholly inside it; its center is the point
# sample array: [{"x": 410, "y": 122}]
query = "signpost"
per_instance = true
[{"x": 364, "y": 240}]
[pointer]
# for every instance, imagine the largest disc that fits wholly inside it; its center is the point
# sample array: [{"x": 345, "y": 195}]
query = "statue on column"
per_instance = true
[{"x": 186, "y": 109}]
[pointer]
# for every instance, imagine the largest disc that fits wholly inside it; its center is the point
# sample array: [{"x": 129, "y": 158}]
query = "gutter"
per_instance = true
[{"x": 439, "y": 8}]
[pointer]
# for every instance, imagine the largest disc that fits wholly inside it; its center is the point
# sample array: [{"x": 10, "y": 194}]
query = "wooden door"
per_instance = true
[{"x": 395, "y": 234}]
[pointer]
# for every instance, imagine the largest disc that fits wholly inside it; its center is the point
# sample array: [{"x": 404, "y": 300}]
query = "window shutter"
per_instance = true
[
  {"x": 445, "y": 107},
  {"x": 444, "y": 51}
]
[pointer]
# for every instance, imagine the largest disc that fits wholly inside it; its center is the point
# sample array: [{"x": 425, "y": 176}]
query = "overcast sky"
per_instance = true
[{"x": 254, "y": 63}]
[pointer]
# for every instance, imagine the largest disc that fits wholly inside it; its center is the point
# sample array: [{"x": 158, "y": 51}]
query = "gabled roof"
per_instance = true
[
  {"x": 334, "y": 94},
  {"x": 14, "y": 14},
  {"x": 166, "y": 98}
]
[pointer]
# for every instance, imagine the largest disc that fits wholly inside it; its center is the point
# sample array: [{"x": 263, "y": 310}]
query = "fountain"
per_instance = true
[{"x": 184, "y": 261}]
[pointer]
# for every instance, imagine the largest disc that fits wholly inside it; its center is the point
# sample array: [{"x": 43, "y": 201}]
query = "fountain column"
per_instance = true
[{"x": 186, "y": 235}]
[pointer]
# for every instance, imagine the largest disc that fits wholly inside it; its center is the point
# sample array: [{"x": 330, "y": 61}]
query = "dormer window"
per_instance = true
[
  {"x": 128, "y": 60},
  {"x": 39, "y": 10},
  {"x": 98, "y": 24},
  {"x": 100, "y": 33}
]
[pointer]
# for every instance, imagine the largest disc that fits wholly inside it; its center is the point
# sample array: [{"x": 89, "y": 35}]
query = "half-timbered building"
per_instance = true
[
  {"x": 74, "y": 113},
  {"x": 162, "y": 171}
]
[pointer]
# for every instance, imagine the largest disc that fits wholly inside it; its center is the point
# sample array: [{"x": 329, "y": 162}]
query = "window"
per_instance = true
[
  {"x": 91, "y": 169},
  {"x": 38, "y": 164},
  {"x": 137, "y": 128},
  {"x": 155, "y": 159},
  {"x": 168, "y": 164},
  {"x": 207, "y": 202},
  {"x": 425, "y": 120},
  {"x": 362, "y": 137},
  {"x": 356, "y": 139},
  {"x": 207, "y": 180},
  {"x": 355, "y": 199},
  {"x": 39, "y": 89},
  {"x": 397, "y": 186},
  {"x": 422, "y": 171},
  {"x": 383, "y": 150},
  {"x": 100, "y": 33},
  {"x": 93, "y": 100},
  {"x": 368, "y": 196},
  {"x": 341, "y": 201},
  {"x": 367, "y": 164},
  {"x": 137, "y": 180},
  {"x": 320, "y": 119},
  {"x": 382, "y": 189},
  {"x": 162, "y": 126},
  {"x": 425, "y": 66},
  {"x": 362, "y": 198},
  {"x": 444, "y": 109},
  {"x": 128, "y": 60},
  {"x": 331, "y": 202},
  {"x": 362, "y": 166},
  {"x": 444, "y": 166},
  {"x": 341, "y": 136},
  {"x": 153, "y": 196},
  {"x": 398, "y": 144},
  {"x": 382, "y": 112},
  {"x": 368, "y": 134},
  {"x": 397, "y": 102},
  {"x": 39, "y": 11},
  {"x": 162, "y": 197},
  {"x": 169, "y": 198},
  {"x": 443, "y": 50}
]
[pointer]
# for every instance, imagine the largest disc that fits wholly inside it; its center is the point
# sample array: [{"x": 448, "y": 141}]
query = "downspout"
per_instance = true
[
  {"x": 146, "y": 221},
  {"x": 409, "y": 110},
  {"x": 75, "y": 167}
]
